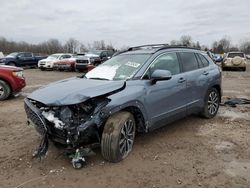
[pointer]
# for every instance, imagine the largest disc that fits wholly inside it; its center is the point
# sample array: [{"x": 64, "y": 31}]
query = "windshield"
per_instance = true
[
  {"x": 12, "y": 54},
  {"x": 96, "y": 52},
  {"x": 232, "y": 55},
  {"x": 55, "y": 56},
  {"x": 120, "y": 67}
]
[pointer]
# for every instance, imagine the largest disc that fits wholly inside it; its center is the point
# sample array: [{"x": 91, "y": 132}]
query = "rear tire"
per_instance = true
[
  {"x": 211, "y": 105},
  {"x": 4, "y": 90},
  {"x": 118, "y": 136}
]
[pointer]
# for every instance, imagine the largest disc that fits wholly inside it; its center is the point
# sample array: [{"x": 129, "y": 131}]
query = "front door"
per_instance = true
[{"x": 166, "y": 100}]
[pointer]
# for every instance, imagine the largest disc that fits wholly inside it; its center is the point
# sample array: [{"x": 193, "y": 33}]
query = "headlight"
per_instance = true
[
  {"x": 91, "y": 60},
  {"x": 18, "y": 74}
]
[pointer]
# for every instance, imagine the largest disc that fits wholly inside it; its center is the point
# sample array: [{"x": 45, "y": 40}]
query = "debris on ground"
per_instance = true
[{"x": 234, "y": 101}]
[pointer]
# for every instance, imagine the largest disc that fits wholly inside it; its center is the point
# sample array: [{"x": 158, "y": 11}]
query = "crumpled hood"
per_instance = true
[{"x": 75, "y": 90}]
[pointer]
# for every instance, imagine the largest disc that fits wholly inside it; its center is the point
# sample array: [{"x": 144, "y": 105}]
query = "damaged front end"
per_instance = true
[{"x": 70, "y": 126}]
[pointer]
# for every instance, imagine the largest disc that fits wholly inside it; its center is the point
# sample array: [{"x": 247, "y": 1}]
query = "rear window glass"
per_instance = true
[
  {"x": 203, "y": 60},
  {"x": 189, "y": 61},
  {"x": 232, "y": 55}
]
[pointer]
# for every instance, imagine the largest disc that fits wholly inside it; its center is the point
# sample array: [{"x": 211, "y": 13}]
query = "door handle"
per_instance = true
[
  {"x": 205, "y": 73},
  {"x": 181, "y": 80}
]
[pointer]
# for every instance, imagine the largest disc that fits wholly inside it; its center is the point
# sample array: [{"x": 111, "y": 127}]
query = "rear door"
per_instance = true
[
  {"x": 166, "y": 100},
  {"x": 26, "y": 59},
  {"x": 197, "y": 76}
]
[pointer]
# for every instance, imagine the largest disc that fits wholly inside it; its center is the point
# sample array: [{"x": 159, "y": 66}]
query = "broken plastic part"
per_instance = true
[
  {"x": 42, "y": 150},
  {"x": 78, "y": 161},
  {"x": 234, "y": 101}
]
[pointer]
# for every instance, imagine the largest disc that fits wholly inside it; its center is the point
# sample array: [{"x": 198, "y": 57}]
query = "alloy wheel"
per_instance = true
[
  {"x": 213, "y": 103},
  {"x": 127, "y": 137},
  {"x": 1, "y": 91}
]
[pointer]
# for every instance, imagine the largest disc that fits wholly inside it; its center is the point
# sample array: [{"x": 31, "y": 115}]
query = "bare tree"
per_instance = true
[
  {"x": 174, "y": 42},
  {"x": 186, "y": 40},
  {"x": 225, "y": 42},
  {"x": 71, "y": 46},
  {"x": 245, "y": 47}
]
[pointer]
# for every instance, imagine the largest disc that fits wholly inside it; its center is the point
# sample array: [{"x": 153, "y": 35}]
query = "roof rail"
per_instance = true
[
  {"x": 146, "y": 45},
  {"x": 177, "y": 46}
]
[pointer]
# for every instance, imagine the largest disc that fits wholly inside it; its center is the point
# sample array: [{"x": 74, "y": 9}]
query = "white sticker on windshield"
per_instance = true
[{"x": 132, "y": 64}]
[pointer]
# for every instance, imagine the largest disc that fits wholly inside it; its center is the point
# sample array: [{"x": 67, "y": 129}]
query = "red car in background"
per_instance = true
[
  {"x": 11, "y": 81},
  {"x": 67, "y": 64}
]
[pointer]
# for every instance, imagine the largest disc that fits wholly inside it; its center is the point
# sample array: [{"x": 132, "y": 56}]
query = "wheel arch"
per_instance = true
[
  {"x": 137, "y": 109},
  {"x": 9, "y": 62},
  {"x": 7, "y": 82}
]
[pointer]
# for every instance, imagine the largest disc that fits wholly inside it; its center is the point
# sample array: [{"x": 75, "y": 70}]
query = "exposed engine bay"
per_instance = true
[{"x": 71, "y": 126}]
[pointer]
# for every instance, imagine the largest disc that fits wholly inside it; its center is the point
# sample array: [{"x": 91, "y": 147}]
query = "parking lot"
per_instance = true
[{"x": 192, "y": 152}]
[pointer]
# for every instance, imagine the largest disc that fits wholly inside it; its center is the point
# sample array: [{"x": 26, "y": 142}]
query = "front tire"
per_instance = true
[
  {"x": 211, "y": 105},
  {"x": 4, "y": 90},
  {"x": 12, "y": 64},
  {"x": 118, "y": 136}
]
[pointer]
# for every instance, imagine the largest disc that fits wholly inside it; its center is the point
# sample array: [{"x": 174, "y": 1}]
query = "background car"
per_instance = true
[
  {"x": 83, "y": 62},
  {"x": 103, "y": 54},
  {"x": 22, "y": 59},
  {"x": 217, "y": 58},
  {"x": 11, "y": 81},
  {"x": 48, "y": 63},
  {"x": 67, "y": 64},
  {"x": 236, "y": 60}
]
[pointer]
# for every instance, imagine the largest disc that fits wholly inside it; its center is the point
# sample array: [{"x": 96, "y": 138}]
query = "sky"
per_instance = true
[{"x": 125, "y": 22}]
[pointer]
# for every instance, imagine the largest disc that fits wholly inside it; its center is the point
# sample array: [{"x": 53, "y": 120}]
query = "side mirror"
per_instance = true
[{"x": 160, "y": 75}]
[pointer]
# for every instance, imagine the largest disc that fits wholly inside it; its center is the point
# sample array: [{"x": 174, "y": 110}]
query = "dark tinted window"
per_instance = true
[
  {"x": 168, "y": 62},
  {"x": 27, "y": 55},
  {"x": 66, "y": 56},
  {"x": 189, "y": 61},
  {"x": 203, "y": 60}
]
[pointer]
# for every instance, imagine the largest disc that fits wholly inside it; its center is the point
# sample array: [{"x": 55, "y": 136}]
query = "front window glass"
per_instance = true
[
  {"x": 120, "y": 67},
  {"x": 12, "y": 55},
  {"x": 96, "y": 52},
  {"x": 166, "y": 62},
  {"x": 55, "y": 56}
]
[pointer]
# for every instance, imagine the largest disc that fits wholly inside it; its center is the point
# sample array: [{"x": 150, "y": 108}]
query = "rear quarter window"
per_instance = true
[
  {"x": 203, "y": 60},
  {"x": 189, "y": 61}
]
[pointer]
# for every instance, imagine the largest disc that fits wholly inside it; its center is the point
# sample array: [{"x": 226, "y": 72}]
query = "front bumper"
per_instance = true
[
  {"x": 69, "y": 137},
  {"x": 45, "y": 66},
  {"x": 81, "y": 66}
]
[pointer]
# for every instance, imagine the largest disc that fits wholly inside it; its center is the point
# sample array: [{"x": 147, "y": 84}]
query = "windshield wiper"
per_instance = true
[{"x": 96, "y": 78}]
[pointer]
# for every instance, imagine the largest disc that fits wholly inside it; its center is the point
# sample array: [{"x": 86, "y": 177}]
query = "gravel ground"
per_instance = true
[{"x": 192, "y": 152}]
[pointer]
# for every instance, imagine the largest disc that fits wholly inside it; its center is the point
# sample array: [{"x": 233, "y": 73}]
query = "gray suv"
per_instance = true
[{"x": 139, "y": 90}]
